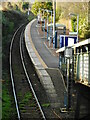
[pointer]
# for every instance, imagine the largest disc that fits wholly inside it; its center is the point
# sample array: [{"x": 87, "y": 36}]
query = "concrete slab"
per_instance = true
[
  {"x": 43, "y": 72},
  {"x": 27, "y": 38},
  {"x": 46, "y": 82},
  {"x": 28, "y": 41},
  {"x": 50, "y": 88},
  {"x": 33, "y": 55},
  {"x": 39, "y": 67},
  {"x": 36, "y": 61},
  {"x": 30, "y": 49}
]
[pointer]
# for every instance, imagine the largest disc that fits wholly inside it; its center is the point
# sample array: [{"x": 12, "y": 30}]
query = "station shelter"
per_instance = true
[{"x": 60, "y": 30}]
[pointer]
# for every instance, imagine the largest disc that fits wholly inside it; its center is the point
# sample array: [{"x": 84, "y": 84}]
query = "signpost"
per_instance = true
[{"x": 68, "y": 54}]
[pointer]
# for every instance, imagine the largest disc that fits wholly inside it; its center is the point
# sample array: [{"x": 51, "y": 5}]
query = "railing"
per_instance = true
[
  {"x": 82, "y": 67},
  {"x": 79, "y": 67}
]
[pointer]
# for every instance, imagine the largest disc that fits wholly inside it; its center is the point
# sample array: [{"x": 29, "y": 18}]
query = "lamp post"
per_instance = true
[
  {"x": 47, "y": 20},
  {"x": 43, "y": 19},
  {"x": 48, "y": 11},
  {"x": 42, "y": 10},
  {"x": 51, "y": 20},
  {"x": 54, "y": 15},
  {"x": 72, "y": 14}
]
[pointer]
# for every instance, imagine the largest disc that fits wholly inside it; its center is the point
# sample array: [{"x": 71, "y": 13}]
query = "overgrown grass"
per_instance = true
[
  {"x": 7, "y": 101},
  {"x": 46, "y": 105},
  {"x": 26, "y": 98}
]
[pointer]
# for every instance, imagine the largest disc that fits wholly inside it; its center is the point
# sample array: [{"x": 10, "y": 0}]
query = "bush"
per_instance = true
[
  {"x": 87, "y": 34},
  {"x": 74, "y": 24},
  {"x": 7, "y": 24},
  {"x": 82, "y": 26},
  {"x": 25, "y": 5},
  {"x": 10, "y": 27},
  {"x": 58, "y": 14}
]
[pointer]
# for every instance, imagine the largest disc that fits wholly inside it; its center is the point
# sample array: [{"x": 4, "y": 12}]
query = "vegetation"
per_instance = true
[
  {"x": 74, "y": 23},
  {"x": 77, "y": 8},
  {"x": 14, "y": 12},
  {"x": 58, "y": 14},
  {"x": 11, "y": 13},
  {"x": 26, "y": 98},
  {"x": 42, "y": 5},
  {"x": 46, "y": 105},
  {"x": 62, "y": 15},
  {"x": 25, "y": 5},
  {"x": 8, "y": 101}
]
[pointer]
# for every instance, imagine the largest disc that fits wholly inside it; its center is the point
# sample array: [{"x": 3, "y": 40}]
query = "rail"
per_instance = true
[
  {"x": 11, "y": 74},
  {"x": 30, "y": 81}
]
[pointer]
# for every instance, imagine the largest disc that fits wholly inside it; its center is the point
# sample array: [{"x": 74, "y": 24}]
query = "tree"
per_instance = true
[
  {"x": 58, "y": 13},
  {"x": 25, "y": 5},
  {"x": 42, "y": 5}
]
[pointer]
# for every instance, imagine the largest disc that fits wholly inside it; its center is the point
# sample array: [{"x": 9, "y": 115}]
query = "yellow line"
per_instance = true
[{"x": 37, "y": 54}]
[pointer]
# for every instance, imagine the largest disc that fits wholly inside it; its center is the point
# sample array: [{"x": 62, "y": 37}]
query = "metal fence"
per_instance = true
[
  {"x": 82, "y": 67},
  {"x": 79, "y": 67}
]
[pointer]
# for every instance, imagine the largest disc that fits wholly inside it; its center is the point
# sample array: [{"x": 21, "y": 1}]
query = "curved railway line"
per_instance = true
[{"x": 23, "y": 90}]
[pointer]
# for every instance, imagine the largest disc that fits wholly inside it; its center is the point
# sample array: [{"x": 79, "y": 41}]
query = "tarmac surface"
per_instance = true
[{"x": 39, "y": 42}]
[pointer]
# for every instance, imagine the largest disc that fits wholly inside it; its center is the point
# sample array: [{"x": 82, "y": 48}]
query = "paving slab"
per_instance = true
[
  {"x": 43, "y": 72},
  {"x": 33, "y": 55},
  {"x": 39, "y": 67}
]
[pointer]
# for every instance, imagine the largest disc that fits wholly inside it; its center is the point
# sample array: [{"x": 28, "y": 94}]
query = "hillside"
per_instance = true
[{"x": 11, "y": 20}]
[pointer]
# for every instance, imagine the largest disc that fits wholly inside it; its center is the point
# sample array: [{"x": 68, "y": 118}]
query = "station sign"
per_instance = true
[{"x": 68, "y": 52}]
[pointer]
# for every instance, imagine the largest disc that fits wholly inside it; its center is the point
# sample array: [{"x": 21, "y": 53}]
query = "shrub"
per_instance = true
[
  {"x": 82, "y": 26},
  {"x": 73, "y": 24},
  {"x": 87, "y": 34},
  {"x": 10, "y": 27}
]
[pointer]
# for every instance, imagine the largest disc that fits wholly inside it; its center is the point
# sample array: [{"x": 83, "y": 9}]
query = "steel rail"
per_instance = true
[
  {"x": 11, "y": 74},
  {"x": 29, "y": 79}
]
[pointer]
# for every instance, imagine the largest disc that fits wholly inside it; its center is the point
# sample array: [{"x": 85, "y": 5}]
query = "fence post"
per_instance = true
[
  {"x": 88, "y": 67},
  {"x": 77, "y": 69},
  {"x": 82, "y": 65},
  {"x": 68, "y": 85}
]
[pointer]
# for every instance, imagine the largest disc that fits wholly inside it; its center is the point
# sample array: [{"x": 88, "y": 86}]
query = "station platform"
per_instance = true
[{"x": 45, "y": 61}]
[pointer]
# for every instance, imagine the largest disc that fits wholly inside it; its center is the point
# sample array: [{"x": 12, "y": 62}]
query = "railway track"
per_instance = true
[{"x": 26, "y": 101}]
